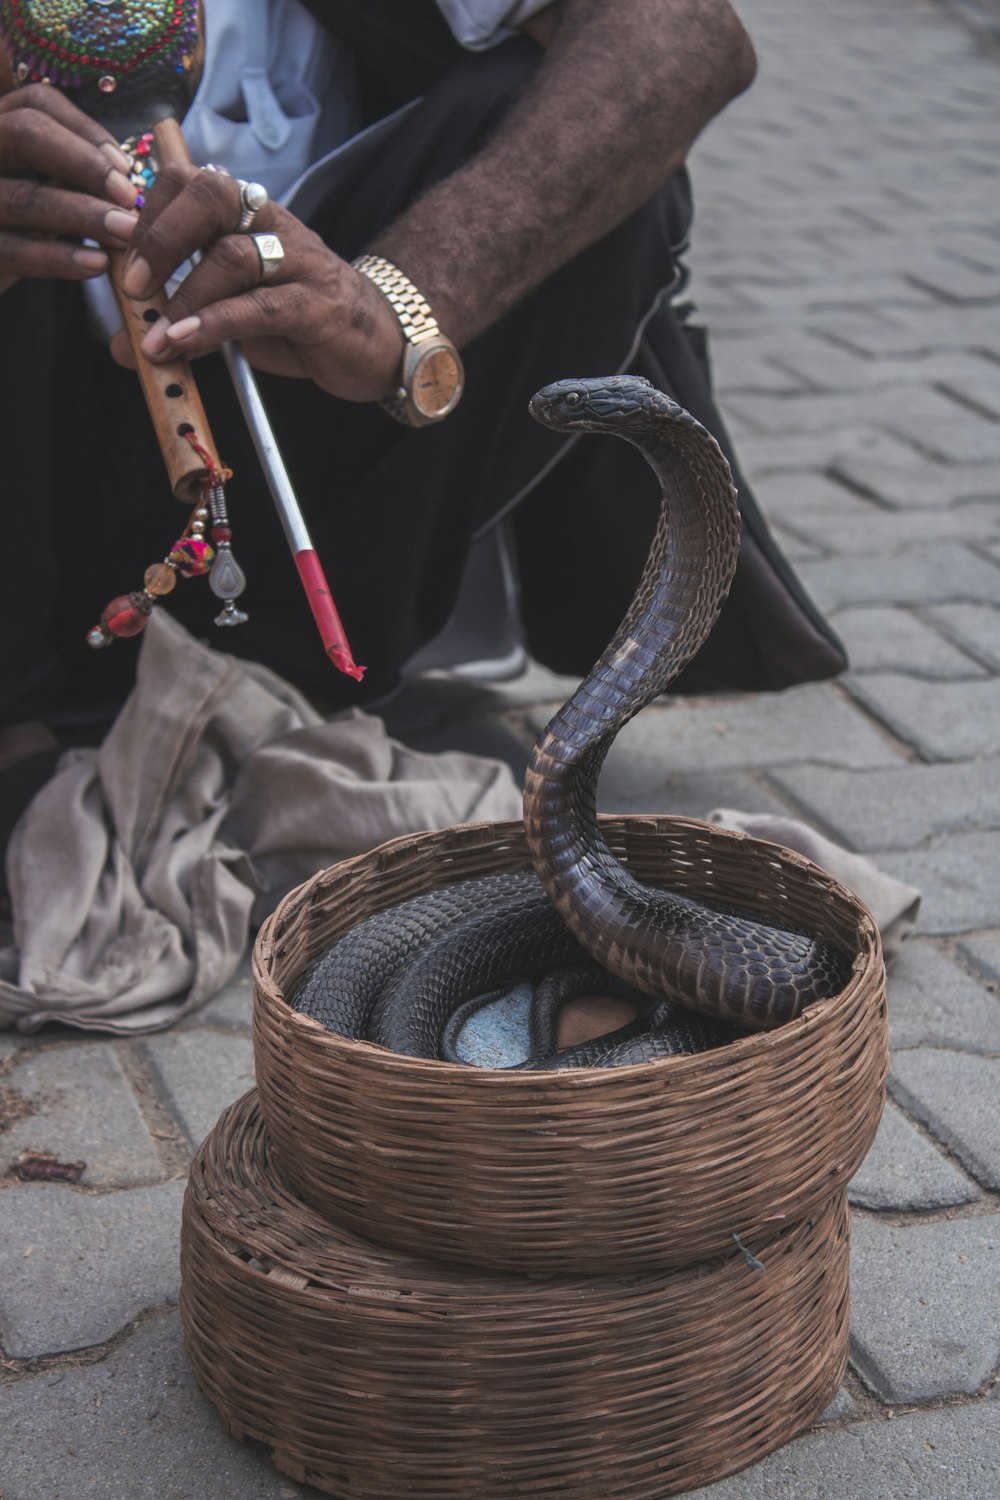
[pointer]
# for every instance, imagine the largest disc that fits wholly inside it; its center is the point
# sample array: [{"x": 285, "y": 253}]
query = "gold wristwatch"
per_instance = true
[{"x": 432, "y": 378}]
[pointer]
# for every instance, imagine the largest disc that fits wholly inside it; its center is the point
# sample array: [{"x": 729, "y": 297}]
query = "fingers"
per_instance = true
[
  {"x": 42, "y": 133},
  {"x": 86, "y": 194},
  {"x": 265, "y": 311},
  {"x": 23, "y": 255},
  {"x": 229, "y": 268},
  {"x": 188, "y": 210},
  {"x": 37, "y": 208}
]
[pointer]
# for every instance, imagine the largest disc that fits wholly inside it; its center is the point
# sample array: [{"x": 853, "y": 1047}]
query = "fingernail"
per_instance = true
[
  {"x": 137, "y": 276},
  {"x": 120, "y": 189},
  {"x": 91, "y": 260},
  {"x": 183, "y": 328},
  {"x": 120, "y": 224},
  {"x": 117, "y": 155},
  {"x": 155, "y": 338}
]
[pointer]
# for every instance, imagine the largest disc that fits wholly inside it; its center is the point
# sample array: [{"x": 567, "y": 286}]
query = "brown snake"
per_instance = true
[{"x": 398, "y": 977}]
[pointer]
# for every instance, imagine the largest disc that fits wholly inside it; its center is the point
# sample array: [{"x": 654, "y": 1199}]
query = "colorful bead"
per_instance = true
[
  {"x": 125, "y": 616},
  {"x": 191, "y": 556},
  {"x": 160, "y": 579},
  {"x": 221, "y": 534}
]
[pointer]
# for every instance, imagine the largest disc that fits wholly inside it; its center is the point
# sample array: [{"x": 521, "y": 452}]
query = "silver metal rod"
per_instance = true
[{"x": 266, "y": 444}]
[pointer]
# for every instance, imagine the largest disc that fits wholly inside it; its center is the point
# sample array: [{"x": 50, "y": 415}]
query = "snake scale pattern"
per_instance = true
[{"x": 697, "y": 975}]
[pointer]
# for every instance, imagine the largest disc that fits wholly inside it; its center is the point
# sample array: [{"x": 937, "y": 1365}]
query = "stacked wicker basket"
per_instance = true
[{"x": 413, "y": 1278}]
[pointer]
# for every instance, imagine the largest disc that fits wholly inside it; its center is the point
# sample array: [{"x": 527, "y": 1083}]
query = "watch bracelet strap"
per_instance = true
[
  {"x": 415, "y": 319},
  {"x": 413, "y": 311}
]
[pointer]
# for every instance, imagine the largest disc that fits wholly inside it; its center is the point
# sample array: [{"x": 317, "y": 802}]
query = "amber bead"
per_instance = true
[
  {"x": 159, "y": 579},
  {"x": 125, "y": 616}
]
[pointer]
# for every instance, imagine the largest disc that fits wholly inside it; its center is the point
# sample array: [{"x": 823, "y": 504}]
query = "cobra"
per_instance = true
[{"x": 697, "y": 973}]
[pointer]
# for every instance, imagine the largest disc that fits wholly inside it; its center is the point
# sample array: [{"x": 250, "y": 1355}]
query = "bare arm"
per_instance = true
[
  {"x": 613, "y": 110},
  {"x": 623, "y": 91}
]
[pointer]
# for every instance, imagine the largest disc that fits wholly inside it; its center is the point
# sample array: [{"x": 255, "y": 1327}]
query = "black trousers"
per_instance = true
[{"x": 87, "y": 506}]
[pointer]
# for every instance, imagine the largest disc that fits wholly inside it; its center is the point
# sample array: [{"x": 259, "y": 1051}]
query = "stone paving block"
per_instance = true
[
  {"x": 942, "y": 720},
  {"x": 816, "y": 504},
  {"x": 812, "y": 360},
  {"x": 82, "y": 1109},
  {"x": 983, "y": 951},
  {"x": 916, "y": 484},
  {"x": 867, "y": 528},
  {"x": 925, "y": 1306},
  {"x": 811, "y": 723},
  {"x": 893, "y": 639},
  {"x": 974, "y": 626},
  {"x": 904, "y": 1171},
  {"x": 141, "y": 1405},
  {"x": 955, "y": 1095},
  {"x": 826, "y": 450},
  {"x": 938, "y": 327},
  {"x": 949, "y": 1454},
  {"x": 232, "y": 1006},
  {"x": 201, "y": 1072},
  {"x": 964, "y": 439},
  {"x": 816, "y": 412},
  {"x": 895, "y": 808},
  {"x": 841, "y": 1407},
  {"x": 796, "y": 547},
  {"x": 622, "y": 789},
  {"x": 76, "y": 1267},
  {"x": 932, "y": 574},
  {"x": 935, "y": 1003},
  {"x": 959, "y": 878}
]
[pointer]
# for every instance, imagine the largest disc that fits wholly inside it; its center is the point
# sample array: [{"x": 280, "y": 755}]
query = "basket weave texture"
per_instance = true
[
  {"x": 373, "y": 1374},
  {"x": 592, "y": 1171}
]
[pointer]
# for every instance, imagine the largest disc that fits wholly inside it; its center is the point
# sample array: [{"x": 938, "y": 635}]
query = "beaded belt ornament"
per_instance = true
[{"x": 77, "y": 44}]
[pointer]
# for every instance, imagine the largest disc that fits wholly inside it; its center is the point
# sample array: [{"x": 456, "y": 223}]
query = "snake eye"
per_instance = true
[{"x": 573, "y": 399}]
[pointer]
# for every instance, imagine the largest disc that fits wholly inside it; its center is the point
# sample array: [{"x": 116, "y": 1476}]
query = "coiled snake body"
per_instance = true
[{"x": 398, "y": 977}]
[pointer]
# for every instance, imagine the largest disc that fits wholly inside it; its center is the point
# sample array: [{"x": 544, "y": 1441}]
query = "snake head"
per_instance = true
[{"x": 590, "y": 405}]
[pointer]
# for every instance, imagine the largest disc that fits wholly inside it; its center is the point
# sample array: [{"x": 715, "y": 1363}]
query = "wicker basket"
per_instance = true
[
  {"x": 596, "y": 1171},
  {"x": 372, "y": 1374}
]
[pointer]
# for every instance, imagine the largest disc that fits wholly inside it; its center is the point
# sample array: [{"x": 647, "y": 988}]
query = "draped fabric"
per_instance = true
[{"x": 137, "y": 873}]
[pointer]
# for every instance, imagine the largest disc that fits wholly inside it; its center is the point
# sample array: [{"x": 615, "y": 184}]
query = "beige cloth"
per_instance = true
[
  {"x": 893, "y": 904},
  {"x": 136, "y": 873}
]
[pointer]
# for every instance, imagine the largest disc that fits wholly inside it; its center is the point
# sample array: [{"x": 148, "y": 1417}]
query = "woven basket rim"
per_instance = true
[{"x": 868, "y": 952}]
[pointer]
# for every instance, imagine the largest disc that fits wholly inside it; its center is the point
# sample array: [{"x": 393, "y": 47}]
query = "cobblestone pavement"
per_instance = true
[{"x": 846, "y": 250}]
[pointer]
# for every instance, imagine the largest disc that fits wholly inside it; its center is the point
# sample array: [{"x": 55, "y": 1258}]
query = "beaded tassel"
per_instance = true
[{"x": 191, "y": 556}]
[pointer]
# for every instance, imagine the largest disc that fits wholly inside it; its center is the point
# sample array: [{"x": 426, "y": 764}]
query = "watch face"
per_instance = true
[{"x": 437, "y": 382}]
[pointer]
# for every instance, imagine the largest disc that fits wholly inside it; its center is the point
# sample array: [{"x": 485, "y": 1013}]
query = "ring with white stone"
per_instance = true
[
  {"x": 271, "y": 252},
  {"x": 253, "y": 197}
]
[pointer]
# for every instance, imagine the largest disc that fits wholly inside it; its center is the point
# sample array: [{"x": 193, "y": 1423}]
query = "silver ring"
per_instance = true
[
  {"x": 271, "y": 252},
  {"x": 253, "y": 197}
]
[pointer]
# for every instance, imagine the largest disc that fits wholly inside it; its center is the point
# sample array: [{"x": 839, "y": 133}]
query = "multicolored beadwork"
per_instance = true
[
  {"x": 142, "y": 175},
  {"x": 75, "y": 43}
]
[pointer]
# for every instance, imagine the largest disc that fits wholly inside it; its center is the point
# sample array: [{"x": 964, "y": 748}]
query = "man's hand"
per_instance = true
[
  {"x": 63, "y": 180},
  {"x": 621, "y": 95},
  {"x": 316, "y": 318}
]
